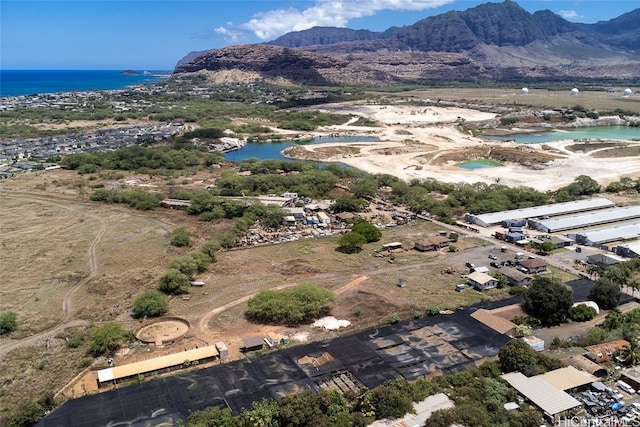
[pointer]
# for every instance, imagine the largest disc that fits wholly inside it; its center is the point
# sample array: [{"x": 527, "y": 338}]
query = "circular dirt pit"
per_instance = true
[{"x": 162, "y": 331}]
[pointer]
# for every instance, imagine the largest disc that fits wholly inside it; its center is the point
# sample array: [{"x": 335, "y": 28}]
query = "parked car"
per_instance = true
[
  {"x": 494, "y": 264},
  {"x": 492, "y": 256},
  {"x": 625, "y": 387}
]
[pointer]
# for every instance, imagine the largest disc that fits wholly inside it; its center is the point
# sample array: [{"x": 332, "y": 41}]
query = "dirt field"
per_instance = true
[{"x": 69, "y": 263}]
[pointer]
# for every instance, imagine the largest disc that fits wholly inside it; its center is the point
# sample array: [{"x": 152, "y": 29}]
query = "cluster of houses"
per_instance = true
[
  {"x": 14, "y": 153},
  {"x": 518, "y": 273}
]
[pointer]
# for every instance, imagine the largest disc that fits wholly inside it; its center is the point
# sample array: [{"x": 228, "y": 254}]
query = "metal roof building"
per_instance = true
[
  {"x": 599, "y": 236},
  {"x": 602, "y": 216},
  {"x": 156, "y": 364},
  {"x": 544, "y": 395},
  {"x": 555, "y": 209},
  {"x": 568, "y": 378}
]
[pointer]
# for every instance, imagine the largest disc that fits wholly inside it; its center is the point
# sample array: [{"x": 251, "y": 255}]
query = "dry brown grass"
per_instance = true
[
  {"x": 540, "y": 98},
  {"x": 47, "y": 233}
]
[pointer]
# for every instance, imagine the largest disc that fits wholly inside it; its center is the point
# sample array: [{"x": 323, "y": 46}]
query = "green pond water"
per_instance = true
[{"x": 478, "y": 164}]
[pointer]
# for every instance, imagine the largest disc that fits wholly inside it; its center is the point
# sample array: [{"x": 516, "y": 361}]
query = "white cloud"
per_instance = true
[
  {"x": 569, "y": 15},
  {"x": 230, "y": 34},
  {"x": 334, "y": 13}
]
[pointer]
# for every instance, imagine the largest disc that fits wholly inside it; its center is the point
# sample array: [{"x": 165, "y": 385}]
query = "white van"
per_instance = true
[{"x": 625, "y": 387}]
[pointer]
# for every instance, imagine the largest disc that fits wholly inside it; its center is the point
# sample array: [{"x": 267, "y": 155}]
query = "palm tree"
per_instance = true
[
  {"x": 618, "y": 274},
  {"x": 593, "y": 271},
  {"x": 630, "y": 355}
]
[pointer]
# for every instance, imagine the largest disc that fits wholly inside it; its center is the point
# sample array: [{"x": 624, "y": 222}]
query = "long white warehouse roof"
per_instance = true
[
  {"x": 602, "y": 216},
  {"x": 609, "y": 234},
  {"x": 544, "y": 395},
  {"x": 544, "y": 210}
]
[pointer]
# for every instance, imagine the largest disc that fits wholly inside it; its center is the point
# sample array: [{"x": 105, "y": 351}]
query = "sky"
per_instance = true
[{"x": 155, "y": 34}]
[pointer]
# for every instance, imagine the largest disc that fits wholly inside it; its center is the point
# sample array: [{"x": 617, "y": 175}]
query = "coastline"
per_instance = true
[{"x": 39, "y": 82}]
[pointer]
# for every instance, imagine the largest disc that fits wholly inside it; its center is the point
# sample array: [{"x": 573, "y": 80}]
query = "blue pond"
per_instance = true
[
  {"x": 598, "y": 132},
  {"x": 272, "y": 150}
]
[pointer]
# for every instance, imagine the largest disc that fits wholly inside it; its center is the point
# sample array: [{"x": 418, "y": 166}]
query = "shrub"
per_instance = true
[
  {"x": 180, "y": 237},
  {"x": 150, "y": 304},
  {"x": 8, "y": 322},
  {"x": 290, "y": 306},
  {"x": 582, "y": 313},
  {"x": 107, "y": 338},
  {"x": 174, "y": 282}
]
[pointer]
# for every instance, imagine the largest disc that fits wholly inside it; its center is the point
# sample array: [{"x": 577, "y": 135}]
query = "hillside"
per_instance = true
[{"x": 493, "y": 41}]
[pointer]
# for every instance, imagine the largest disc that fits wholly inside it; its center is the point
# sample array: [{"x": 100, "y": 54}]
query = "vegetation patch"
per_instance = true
[{"x": 290, "y": 306}]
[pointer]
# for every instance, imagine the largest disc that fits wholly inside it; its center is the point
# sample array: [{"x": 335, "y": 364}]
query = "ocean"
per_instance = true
[{"x": 31, "y": 82}]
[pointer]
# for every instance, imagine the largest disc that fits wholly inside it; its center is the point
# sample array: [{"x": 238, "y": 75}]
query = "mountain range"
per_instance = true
[{"x": 492, "y": 41}]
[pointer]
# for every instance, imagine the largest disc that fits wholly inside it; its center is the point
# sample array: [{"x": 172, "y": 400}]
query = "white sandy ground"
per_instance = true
[{"x": 437, "y": 130}]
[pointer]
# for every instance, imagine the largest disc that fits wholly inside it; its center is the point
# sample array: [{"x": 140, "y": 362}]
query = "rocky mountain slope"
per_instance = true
[{"x": 490, "y": 41}]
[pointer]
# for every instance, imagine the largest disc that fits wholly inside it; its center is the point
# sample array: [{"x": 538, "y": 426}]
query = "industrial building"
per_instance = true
[
  {"x": 599, "y": 217},
  {"x": 628, "y": 250},
  {"x": 553, "y": 401},
  {"x": 486, "y": 220},
  {"x": 598, "y": 237}
]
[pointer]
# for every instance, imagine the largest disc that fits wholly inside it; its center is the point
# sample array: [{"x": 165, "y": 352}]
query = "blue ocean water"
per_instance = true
[{"x": 32, "y": 82}]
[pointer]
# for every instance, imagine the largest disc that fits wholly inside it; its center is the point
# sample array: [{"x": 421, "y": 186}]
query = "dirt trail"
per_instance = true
[{"x": 67, "y": 302}]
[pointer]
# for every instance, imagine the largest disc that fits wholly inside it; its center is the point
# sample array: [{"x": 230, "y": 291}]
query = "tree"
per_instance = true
[
  {"x": 582, "y": 313},
  {"x": 174, "y": 282},
  {"x": 150, "y": 304},
  {"x": 289, "y": 306},
  {"x": 263, "y": 413},
  {"x": 613, "y": 319},
  {"x": 107, "y": 338},
  {"x": 186, "y": 265},
  {"x": 348, "y": 204},
  {"x": 368, "y": 231},
  {"x": 630, "y": 354},
  {"x": 546, "y": 247},
  {"x": 548, "y": 300},
  {"x": 605, "y": 293},
  {"x": 180, "y": 237},
  {"x": 364, "y": 188},
  {"x": 618, "y": 274},
  {"x": 8, "y": 322},
  {"x": 351, "y": 242},
  {"x": 517, "y": 356},
  {"x": 391, "y": 402},
  {"x": 215, "y": 417}
]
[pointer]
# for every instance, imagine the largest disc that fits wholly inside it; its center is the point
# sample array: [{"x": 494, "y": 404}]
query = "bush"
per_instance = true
[
  {"x": 150, "y": 304},
  {"x": 8, "y": 322},
  {"x": 180, "y": 237},
  {"x": 107, "y": 338},
  {"x": 506, "y": 121},
  {"x": 174, "y": 282},
  {"x": 583, "y": 313},
  {"x": 290, "y": 306},
  {"x": 368, "y": 231}
]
